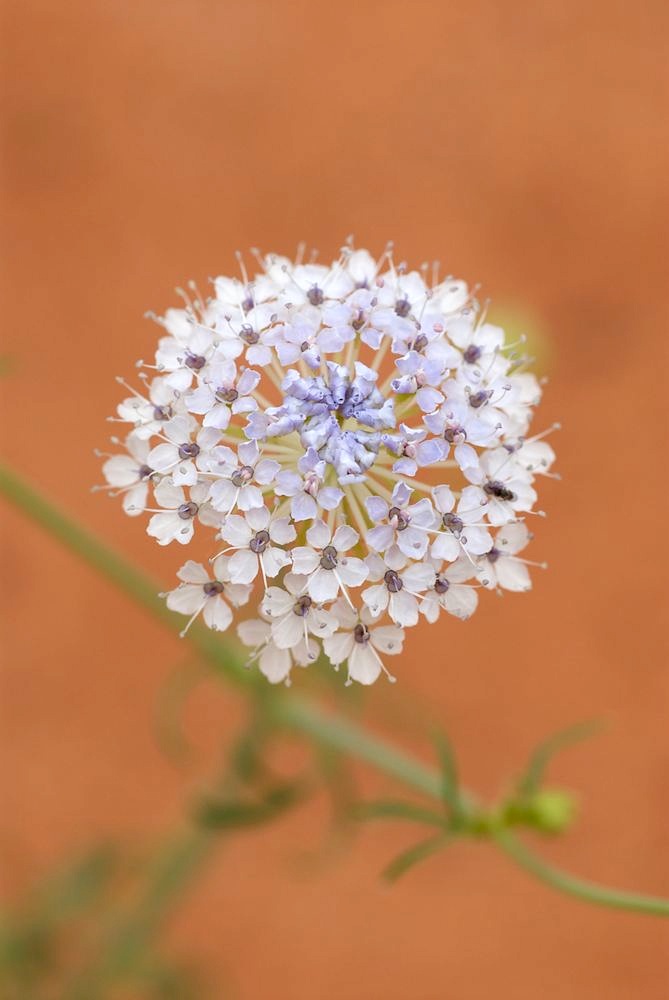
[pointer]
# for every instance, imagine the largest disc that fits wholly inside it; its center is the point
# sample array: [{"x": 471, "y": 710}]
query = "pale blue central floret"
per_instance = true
[{"x": 339, "y": 415}]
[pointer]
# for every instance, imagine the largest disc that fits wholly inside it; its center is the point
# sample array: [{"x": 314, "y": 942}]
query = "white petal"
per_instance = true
[
  {"x": 338, "y": 647},
  {"x": 403, "y": 608},
  {"x": 236, "y": 531},
  {"x": 305, "y": 560},
  {"x": 363, "y": 665},
  {"x": 512, "y": 574},
  {"x": 274, "y": 560},
  {"x": 186, "y": 600},
  {"x": 275, "y": 663},
  {"x": 352, "y": 572},
  {"x": 243, "y": 566},
  {"x": 319, "y": 535},
  {"x": 376, "y": 598},
  {"x": 345, "y": 538},
  {"x": 323, "y": 585},
  {"x": 387, "y": 638},
  {"x": 288, "y": 630},
  {"x": 193, "y": 572},
  {"x": 121, "y": 470},
  {"x": 217, "y": 614},
  {"x": 249, "y": 498},
  {"x": 282, "y": 531},
  {"x": 253, "y": 632},
  {"x": 163, "y": 457}
]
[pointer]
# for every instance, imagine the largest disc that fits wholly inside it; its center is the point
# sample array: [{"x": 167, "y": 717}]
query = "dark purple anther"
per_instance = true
[
  {"x": 401, "y": 519},
  {"x": 495, "y": 488},
  {"x": 226, "y": 394},
  {"x": 259, "y": 542},
  {"x": 453, "y": 523},
  {"x": 241, "y": 476},
  {"x": 402, "y": 307},
  {"x": 315, "y": 295},
  {"x": 249, "y": 335},
  {"x": 454, "y": 433},
  {"x": 393, "y": 582},
  {"x": 195, "y": 362},
  {"x": 302, "y": 606},
  {"x": 189, "y": 450},
  {"x": 472, "y": 354},
  {"x": 361, "y": 634},
  {"x": 187, "y": 510},
  {"x": 479, "y": 398},
  {"x": 329, "y": 557}
]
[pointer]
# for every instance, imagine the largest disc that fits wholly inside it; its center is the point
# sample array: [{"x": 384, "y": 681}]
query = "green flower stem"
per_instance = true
[{"x": 326, "y": 728}]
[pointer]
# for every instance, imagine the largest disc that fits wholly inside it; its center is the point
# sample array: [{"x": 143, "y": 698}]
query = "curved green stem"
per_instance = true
[
  {"x": 588, "y": 892},
  {"x": 325, "y": 728}
]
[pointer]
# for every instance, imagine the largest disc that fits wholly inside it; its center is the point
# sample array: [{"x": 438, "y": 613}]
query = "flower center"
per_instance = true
[
  {"x": 249, "y": 335},
  {"x": 392, "y": 581},
  {"x": 441, "y": 585},
  {"x": 302, "y": 606},
  {"x": 339, "y": 415},
  {"x": 478, "y": 399},
  {"x": 495, "y": 488},
  {"x": 241, "y": 476},
  {"x": 226, "y": 394},
  {"x": 195, "y": 362},
  {"x": 361, "y": 634},
  {"x": 259, "y": 542},
  {"x": 213, "y": 587},
  {"x": 187, "y": 510},
  {"x": 453, "y": 523},
  {"x": 398, "y": 518},
  {"x": 189, "y": 450},
  {"x": 329, "y": 557},
  {"x": 454, "y": 434}
]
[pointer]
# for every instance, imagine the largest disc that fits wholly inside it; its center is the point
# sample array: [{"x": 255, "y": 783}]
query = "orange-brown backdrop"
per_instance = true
[{"x": 525, "y": 146}]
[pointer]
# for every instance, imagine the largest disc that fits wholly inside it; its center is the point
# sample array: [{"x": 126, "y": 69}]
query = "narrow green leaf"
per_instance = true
[
  {"x": 450, "y": 792},
  {"x": 230, "y": 814},
  {"x": 413, "y": 856},
  {"x": 392, "y": 809},
  {"x": 533, "y": 776}
]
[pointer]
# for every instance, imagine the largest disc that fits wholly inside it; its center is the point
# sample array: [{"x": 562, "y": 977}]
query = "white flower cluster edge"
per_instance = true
[{"x": 355, "y": 437}]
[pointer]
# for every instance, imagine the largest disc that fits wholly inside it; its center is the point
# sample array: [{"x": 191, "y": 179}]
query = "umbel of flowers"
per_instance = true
[{"x": 353, "y": 439}]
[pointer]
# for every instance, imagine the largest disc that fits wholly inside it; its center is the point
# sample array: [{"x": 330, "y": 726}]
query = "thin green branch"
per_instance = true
[
  {"x": 298, "y": 714},
  {"x": 587, "y": 891}
]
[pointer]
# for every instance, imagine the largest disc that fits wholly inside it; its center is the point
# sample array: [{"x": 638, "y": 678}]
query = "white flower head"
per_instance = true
[{"x": 355, "y": 435}]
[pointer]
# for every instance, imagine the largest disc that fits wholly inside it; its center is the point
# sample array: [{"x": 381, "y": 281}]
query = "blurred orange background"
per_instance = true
[{"x": 525, "y": 146}]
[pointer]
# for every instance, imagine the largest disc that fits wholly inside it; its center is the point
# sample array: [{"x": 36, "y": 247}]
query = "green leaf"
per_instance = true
[
  {"x": 533, "y": 776},
  {"x": 450, "y": 792},
  {"x": 392, "y": 809},
  {"x": 246, "y": 756},
  {"x": 413, "y": 856},
  {"x": 231, "y": 814}
]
